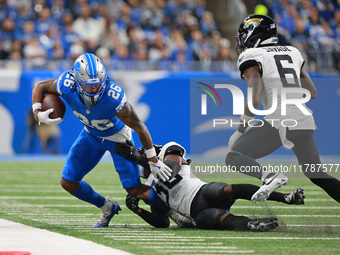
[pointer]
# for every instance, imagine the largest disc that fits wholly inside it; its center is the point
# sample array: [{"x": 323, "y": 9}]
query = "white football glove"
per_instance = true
[
  {"x": 43, "y": 117},
  {"x": 160, "y": 170},
  {"x": 234, "y": 137}
]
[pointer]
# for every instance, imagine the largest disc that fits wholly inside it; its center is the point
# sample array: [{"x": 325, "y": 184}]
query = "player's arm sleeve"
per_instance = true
[
  {"x": 143, "y": 161},
  {"x": 155, "y": 219},
  {"x": 248, "y": 59}
]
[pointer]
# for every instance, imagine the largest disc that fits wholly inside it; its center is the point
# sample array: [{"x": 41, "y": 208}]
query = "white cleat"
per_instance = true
[
  {"x": 269, "y": 185},
  {"x": 109, "y": 209}
]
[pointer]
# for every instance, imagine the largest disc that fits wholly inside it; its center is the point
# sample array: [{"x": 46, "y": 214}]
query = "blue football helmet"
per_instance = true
[
  {"x": 91, "y": 77},
  {"x": 255, "y": 31}
]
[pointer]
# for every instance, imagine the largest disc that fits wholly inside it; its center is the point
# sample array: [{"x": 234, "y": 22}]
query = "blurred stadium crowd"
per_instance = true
[
  {"x": 313, "y": 26},
  {"x": 156, "y": 33}
]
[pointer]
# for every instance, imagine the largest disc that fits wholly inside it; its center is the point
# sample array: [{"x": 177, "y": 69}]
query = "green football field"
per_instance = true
[{"x": 30, "y": 194}]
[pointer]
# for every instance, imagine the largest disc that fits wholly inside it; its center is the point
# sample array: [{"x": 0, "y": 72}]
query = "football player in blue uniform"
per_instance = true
[
  {"x": 268, "y": 67},
  {"x": 102, "y": 106}
]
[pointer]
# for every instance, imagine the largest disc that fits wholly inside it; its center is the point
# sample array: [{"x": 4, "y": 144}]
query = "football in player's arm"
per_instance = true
[
  {"x": 102, "y": 106},
  {"x": 272, "y": 71},
  {"x": 207, "y": 204}
]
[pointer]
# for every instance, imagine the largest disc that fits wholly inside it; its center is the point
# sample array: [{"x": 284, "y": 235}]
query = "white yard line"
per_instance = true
[
  {"x": 205, "y": 252},
  {"x": 173, "y": 243},
  {"x": 289, "y": 207},
  {"x": 16, "y": 236},
  {"x": 319, "y": 200},
  {"x": 276, "y": 238},
  {"x": 292, "y": 225},
  {"x": 227, "y": 237},
  {"x": 190, "y": 247},
  {"x": 298, "y": 216},
  {"x": 179, "y": 239}
]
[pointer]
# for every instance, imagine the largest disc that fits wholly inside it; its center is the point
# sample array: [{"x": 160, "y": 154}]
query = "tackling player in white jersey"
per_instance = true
[
  {"x": 276, "y": 77},
  {"x": 208, "y": 204}
]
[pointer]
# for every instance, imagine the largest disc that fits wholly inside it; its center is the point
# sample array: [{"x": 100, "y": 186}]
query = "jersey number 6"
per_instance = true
[{"x": 286, "y": 72}]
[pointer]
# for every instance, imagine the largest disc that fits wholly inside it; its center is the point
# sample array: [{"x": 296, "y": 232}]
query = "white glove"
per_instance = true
[
  {"x": 44, "y": 117},
  {"x": 234, "y": 137},
  {"x": 160, "y": 170}
]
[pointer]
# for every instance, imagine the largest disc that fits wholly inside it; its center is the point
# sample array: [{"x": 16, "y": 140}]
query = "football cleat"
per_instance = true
[
  {"x": 109, "y": 209},
  {"x": 180, "y": 220},
  {"x": 269, "y": 185},
  {"x": 295, "y": 198},
  {"x": 262, "y": 225}
]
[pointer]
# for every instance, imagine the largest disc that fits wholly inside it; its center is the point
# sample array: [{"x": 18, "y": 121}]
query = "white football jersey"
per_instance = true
[
  {"x": 280, "y": 67},
  {"x": 179, "y": 191}
]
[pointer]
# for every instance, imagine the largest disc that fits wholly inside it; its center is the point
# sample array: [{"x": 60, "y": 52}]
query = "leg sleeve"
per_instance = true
[
  {"x": 245, "y": 191},
  {"x": 209, "y": 218},
  {"x": 258, "y": 141},
  {"x": 307, "y": 154},
  {"x": 214, "y": 194},
  {"x": 155, "y": 219},
  {"x": 236, "y": 223}
]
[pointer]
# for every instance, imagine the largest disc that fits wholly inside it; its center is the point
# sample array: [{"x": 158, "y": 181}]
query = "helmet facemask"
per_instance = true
[
  {"x": 91, "y": 77},
  {"x": 89, "y": 92},
  {"x": 240, "y": 37}
]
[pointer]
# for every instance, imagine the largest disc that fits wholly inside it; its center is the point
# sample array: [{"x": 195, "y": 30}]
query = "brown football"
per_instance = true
[{"x": 54, "y": 101}]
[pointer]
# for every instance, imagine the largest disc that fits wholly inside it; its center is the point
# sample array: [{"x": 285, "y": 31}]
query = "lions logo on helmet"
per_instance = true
[
  {"x": 256, "y": 30},
  {"x": 91, "y": 77}
]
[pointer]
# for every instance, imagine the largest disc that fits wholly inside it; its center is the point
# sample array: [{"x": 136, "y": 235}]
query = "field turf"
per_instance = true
[{"x": 30, "y": 194}]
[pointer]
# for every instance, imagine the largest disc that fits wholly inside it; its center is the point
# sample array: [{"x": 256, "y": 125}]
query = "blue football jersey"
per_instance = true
[{"x": 100, "y": 119}]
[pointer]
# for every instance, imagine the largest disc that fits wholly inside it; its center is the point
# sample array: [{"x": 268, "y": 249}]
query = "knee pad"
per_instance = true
[
  {"x": 209, "y": 218},
  {"x": 230, "y": 157},
  {"x": 214, "y": 194}
]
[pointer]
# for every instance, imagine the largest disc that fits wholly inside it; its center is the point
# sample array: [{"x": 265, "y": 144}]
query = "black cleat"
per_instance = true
[
  {"x": 262, "y": 225},
  {"x": 295, "y": 198}
]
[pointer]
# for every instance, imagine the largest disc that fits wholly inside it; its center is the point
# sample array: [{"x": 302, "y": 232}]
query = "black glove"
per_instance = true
[
  {"x": 131, "y": 202},
  {"x": 128, "y": 151}
]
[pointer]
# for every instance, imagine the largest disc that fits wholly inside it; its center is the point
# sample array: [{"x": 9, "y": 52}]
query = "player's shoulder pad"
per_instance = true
[
  {"x": 249, "y": 58},
  {"x": 66, "y": 82},
  {"x": 172, "y": 148},
  {"x": 298, "y": 54},
  {"x": 117, "y": 94}
]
